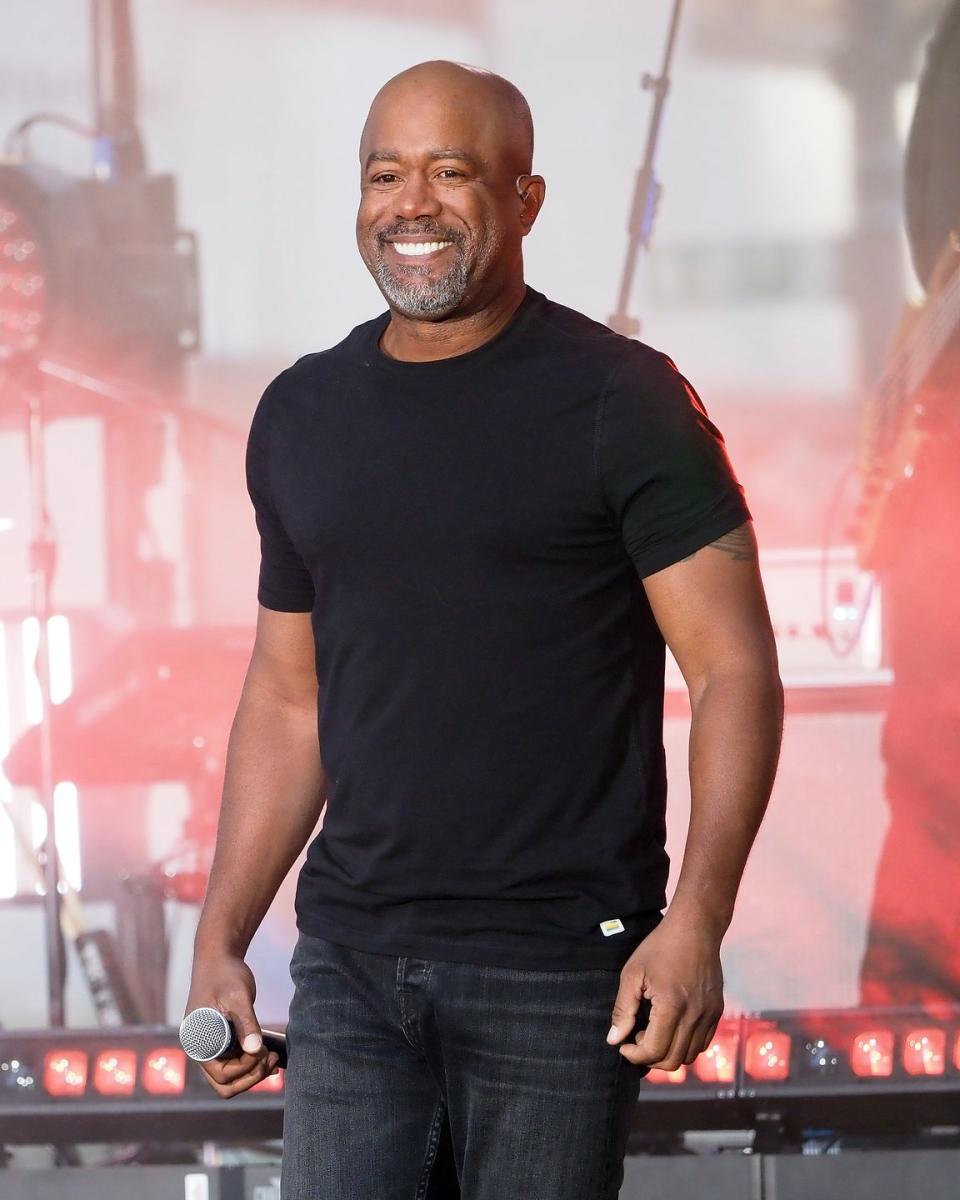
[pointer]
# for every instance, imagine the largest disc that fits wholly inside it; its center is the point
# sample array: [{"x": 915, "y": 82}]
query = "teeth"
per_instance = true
[{"x": 419, "y": 247}]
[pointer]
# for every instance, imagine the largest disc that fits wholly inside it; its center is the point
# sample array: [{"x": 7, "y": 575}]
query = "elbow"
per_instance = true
[{"x": 754, "y": 676}]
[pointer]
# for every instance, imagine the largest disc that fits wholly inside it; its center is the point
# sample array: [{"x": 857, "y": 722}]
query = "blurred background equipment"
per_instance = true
[
  {"x": 648, "y": 189},
  {"x": 910, "y": 515},
  {"x": 90, "y": 270},
  {"x": 94, "y": 267}
]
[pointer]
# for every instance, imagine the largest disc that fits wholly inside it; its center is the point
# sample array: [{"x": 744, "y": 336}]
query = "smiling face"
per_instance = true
[{"x": 441, "y": 222}]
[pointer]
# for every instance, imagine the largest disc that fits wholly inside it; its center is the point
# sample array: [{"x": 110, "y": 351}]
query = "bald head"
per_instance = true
[
  {"x": 446, "y": 193},
  {"x": 490, "y": 103}
]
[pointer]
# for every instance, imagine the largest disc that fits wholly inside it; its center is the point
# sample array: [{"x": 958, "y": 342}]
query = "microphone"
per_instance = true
[{"x": 206, "y": 1034}]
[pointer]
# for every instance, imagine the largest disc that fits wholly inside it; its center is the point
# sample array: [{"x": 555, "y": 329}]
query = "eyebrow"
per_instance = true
[{"x": 432, "y": 156}]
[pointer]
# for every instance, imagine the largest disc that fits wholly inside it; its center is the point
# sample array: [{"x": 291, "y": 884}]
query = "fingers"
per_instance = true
[
  {"x": 675, "y": 1037},
  {"x": 655, "y": 1042},
  {"x": 705, "y": 1032},
  {"x": 231, "y": 1076}
]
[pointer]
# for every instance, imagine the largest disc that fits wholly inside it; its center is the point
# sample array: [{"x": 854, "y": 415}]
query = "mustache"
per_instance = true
[{"x": 433, "y": 231}]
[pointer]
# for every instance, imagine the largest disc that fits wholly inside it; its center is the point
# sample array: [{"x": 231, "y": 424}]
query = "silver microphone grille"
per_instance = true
[{"x": 205, "y": 1033}]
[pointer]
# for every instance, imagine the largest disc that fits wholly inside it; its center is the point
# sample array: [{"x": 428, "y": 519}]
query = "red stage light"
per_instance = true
[
  {"x": 271, "y": 1083},
  {"x": 767, "y": 1055},
  {"x": 22, "y": 279},
  {"x": 115, "y": 1072},
  {"x": 164, "y": 1071},
  {"x": 656, "y": 1075},
  {"x": 718, "y": 1063},
  {"x": 956, "y": 1052},
  {"x": 65, "y": 1072},
  {"x": 872, "y": 1053},
  {"x": 925, "y": 1051}
]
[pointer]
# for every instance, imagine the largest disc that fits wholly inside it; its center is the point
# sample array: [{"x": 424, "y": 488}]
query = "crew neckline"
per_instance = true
[{"x": 489, "y": 347}]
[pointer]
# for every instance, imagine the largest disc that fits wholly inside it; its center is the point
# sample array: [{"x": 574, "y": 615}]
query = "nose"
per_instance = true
[{"x": 416, "y": 198}]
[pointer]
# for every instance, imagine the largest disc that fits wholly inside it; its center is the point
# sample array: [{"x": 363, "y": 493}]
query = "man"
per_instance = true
[{"x": 480, "y": 515}]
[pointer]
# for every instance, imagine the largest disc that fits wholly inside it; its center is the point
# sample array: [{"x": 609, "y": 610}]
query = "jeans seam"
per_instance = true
[
  {"x": 605, "y": 1166},
  {"x": 432, "y": 1142}
]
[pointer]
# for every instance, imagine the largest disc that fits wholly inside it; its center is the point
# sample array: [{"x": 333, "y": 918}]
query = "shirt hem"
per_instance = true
[
  {"x": 284, "y": 603},
  {"x": 610, "y": 958}
]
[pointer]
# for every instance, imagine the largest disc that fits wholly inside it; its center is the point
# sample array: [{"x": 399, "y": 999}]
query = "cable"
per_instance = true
[
  {"x": 17, "y": 143},
  {"x": 840, "y": 648}
]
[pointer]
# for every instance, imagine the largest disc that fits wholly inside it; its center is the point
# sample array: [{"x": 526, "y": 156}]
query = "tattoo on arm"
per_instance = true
[{"x": 738, "y": 544}]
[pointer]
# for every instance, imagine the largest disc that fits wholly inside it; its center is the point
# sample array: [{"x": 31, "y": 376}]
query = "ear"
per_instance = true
[{"x": 531, "y": 194}]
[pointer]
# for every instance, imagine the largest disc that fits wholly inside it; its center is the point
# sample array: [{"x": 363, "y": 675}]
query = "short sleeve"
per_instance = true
[
  {"x": 285, "y": 584},
  {"x": 664, "y": 473}
]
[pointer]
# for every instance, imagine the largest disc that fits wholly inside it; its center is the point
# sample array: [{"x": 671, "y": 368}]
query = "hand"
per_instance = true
[
  {"x": 225, "y": 982},
  {"x": 677, "y": 968}
]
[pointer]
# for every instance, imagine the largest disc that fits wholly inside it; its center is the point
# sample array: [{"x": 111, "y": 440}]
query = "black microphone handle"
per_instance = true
[{"x": 277, "y": 1042}]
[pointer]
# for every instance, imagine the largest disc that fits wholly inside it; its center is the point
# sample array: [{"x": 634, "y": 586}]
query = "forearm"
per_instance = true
[
  {"x": 273, "y": 794},
  {"x": 734, "y": 746}
]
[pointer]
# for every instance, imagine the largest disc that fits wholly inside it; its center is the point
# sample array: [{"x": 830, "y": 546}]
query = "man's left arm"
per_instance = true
[{"x": 712, "y": 612}]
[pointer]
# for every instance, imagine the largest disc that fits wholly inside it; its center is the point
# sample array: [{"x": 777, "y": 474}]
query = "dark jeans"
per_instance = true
[{"x": 415, "y": 1079}]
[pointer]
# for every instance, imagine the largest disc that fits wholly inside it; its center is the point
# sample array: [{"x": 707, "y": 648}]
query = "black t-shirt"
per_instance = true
[{"x": 470, "y": 536}]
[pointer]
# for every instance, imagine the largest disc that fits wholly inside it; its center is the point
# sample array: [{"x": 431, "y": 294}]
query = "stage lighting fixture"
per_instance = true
[
  {"x": 117, "y": 1085},
  {"x": 872, "y": 1053},
  {"x": 767, "y": 1054},
  {"x": 718, "y": 1063},
  {"x": 924, "y": 1051},
  {"x": 164, "y": 1071},
  {"x": 859, "y": 1071},
  {"x": 23, "y": 278},
  {"x": 819, "y": 1056},
  {"x": 849, "y": 1071},
  {"x": 92, "y": 267},
  {"x": 115, "y": 1072},
  {"x": 15, "y": 1077},
  {"x": 37, "y": 228},
  {"x": 65, "y": 1072}
]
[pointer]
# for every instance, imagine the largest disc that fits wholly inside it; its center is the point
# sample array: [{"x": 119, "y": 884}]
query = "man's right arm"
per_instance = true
[{"x": 273, "y": 794}]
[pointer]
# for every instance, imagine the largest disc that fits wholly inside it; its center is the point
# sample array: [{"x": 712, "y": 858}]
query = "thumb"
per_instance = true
[
  {"x": 246, "y": 1026},
  {"x": 624, "y": 1012}
]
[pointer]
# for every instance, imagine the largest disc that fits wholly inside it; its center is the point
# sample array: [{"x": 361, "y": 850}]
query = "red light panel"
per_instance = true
[
  {"x": 271, "y": 1083},
  {"x": 115, "y": 1072},
  {"x": 718, "y": 1063},
  {"x": 65, "y": 1072},
  {"x": 872, "y": 1053},
  {"x": 925, "y": 1051},
  {"x": 656, "y": 1075},
  {"x": 767, "y": 1055},
  {"x": 22, "y": 280},
  {"x": 164, "y": 1071}
]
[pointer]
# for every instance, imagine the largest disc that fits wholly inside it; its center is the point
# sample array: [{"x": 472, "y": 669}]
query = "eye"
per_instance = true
[
  {"x": 384, "y": 177},
  {"x": 450, "y": 171}
]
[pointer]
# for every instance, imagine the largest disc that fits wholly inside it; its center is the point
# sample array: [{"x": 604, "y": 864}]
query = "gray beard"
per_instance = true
[{"x": 429, "y": 297}]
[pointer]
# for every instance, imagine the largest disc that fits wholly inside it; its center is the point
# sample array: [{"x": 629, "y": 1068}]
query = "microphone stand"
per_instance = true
[
  {"x": 43, "y": 556},
  {"x": 648, "y": 189}
]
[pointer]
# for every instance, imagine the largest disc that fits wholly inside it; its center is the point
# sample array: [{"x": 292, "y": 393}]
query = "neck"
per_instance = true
[{"x": 411, "y": 340}]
